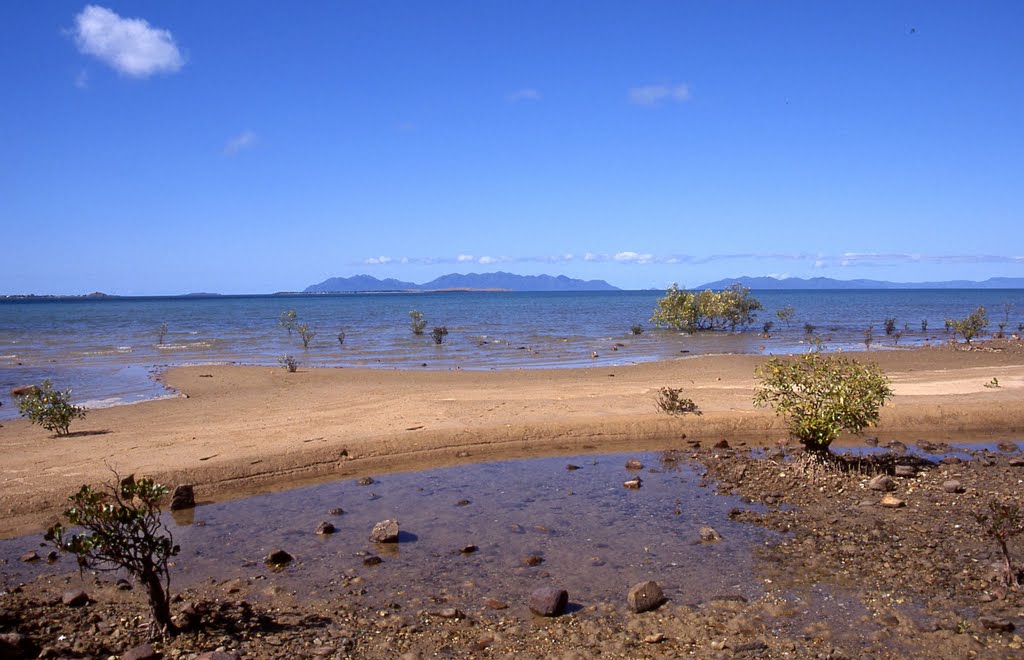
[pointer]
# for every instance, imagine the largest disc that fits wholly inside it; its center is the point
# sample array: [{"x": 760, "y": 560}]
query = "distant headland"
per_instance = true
[
  {"x": 815, "y": 283},
  {"x": 498, "y": 281}
]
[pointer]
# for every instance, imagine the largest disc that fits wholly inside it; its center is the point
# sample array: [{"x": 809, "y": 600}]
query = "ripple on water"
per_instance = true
[{"x": 595, "y": 537}]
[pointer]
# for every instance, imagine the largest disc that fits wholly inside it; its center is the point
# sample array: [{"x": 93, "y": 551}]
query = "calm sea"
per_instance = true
[{"x": 107, "y": 350}]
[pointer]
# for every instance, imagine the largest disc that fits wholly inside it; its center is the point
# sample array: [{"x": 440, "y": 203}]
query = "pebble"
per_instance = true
[
  {"x": 709, "y": 535},
  {"x": 891, "y": 502},
  {"x": 952, "y": 486},
  {"x": 634, "y": 464},
  {"x": 645, "y": 596},
  {"x": 29, "y": 556},
  {"x": 905, "y": 471},
  {"x": 386, "y": 531},
  {"x": 882, "y": 482},
  {"x": 74, "y": 598},
  {"x": 325, "y": 528},
  {"x": 365, "y": 481},
  {"x": 633, "y": 483},
  {"x": 278, "y": 558},
  {"x": 548, "y": 601},
  {"x": 141, "y": 652}
]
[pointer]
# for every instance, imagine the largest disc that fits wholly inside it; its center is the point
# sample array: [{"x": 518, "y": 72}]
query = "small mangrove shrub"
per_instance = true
[
  {"x": 671, "y": 400},
  {"x": 869, "y": 336},
  {"x": 438, "y": 334},
  {"x": 52, "y": 409},
  {"x": 161, "y": 333},
  {"x": 970, "y": 327},
  {"x": 890, "y": 327},
  {"x": 1003, "y": 521},
  {"x": 637, "y": 329},
  {"x": 809, "y": 329},
  {"x": 692, "y": 311},
  {"x": 288, "y": 320},
  {"x": 118, "y": 527},
  {"x": 289, "y": 363},
  {"x": 822, "y": 395},
  {"x": 341, "y": 337},
  {"x": 306, "y": 334},
  {"x": 766, "y": 328},
  {"x": 785, "y": 314},
  {"x": 924, "y": 325},
  {"x": 416, "y": 322},
  {"x": 994, "y": 383}
]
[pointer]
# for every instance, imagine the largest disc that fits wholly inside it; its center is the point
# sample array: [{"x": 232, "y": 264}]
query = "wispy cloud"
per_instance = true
[
  {"x": 655, "y": 94},
  {"x": 816, "y": 260},
  {"x": 130, "y": 45},
  {"x": 82, "y": 79},
  {"x": 242, "y": 141},
  {"x": 526, "y": 94}
]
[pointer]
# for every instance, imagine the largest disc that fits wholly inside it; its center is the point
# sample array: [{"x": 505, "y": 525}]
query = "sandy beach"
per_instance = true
[{"x": 235, "y": 430}]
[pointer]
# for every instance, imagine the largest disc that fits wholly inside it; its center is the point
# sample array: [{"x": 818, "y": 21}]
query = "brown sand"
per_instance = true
[{"x": 242, "y": 430}]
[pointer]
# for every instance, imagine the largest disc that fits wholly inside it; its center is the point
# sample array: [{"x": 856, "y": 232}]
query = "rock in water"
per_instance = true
[
  {"x": 325, "y": 528},
  {"x": 278, "y": 558},
  {"x": 184, "y": 497},
  {"x": 709, "y": 535},
  {"x": 548, "y": 601},
  {"x": 634, "y": 464},
  {"x": 386, "y": 531},
  {"x": 633, "y": 483},
  {"x": 645, "y": 596}
]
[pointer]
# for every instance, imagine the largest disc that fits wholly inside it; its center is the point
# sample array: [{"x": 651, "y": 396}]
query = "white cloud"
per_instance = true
[
  {"x": 130, "y": 45},
  {"x": 465, "y": 258},
  {"x": 590, "y": 256},
  {"x": 527, "y": 94},
  {"x": 655, "y": 94},
  {"x": 633, "y": 257},
  {"x": 378, "y": 261},
  {"x": 240, "y": 142}
]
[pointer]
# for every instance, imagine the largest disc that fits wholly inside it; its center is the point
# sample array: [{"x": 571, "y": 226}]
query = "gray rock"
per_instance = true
[
  {"x": 709, "y": 535},
  {"x": 548, "y": 601},
  {"x": 1017, "y": 462},
  {"x": 997, "y": 624},
  {"x": 634, "y": 464},
  {"x": 325, "y": 528},
  {"x": 882, "y": 482},
  {"x": 645, "y": 596},
  {"x": 386, "y": 531},
  {"x": 372, "y": 560},
  {"x": 633, "y": 483},
  {"x": 184, "y": 497},
  {"x": 905, "y": 471},
  {"x": 74, "y": 598},
  {"x": 337, "y": 511},
  {"x": 217, "y": 655},
  {"x": 278, "y": 558},
  {"x": 952, "y": 486},
  {"x": 451, "y": 613},
  {"x": 1008, "y": 447},
  {"x": 141, "y": 652},
  {"x": 365, "y": 481},
  {"x": 29, "y": 556}
]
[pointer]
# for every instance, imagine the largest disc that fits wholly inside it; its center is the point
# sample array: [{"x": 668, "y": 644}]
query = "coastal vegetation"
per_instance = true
[
  {"x": 869, "y": 336},
  {"x": 637, "y": 329},
  {"x": 822, "y": 395},
  {"x": 161, "y": 333},
  {"x": 416, "y": 322},
  {"x": 306, "y": 334},
  {"x": 438, "y": 334},
  {"x": 1003, "y": 521},
  {"x": 785, "y": 314},
  {"x": 970, "y": 327},
  {"x": 288, "y": 320},
  {"x": 52, "y": 409},
  {"x": 289, "y": 363},
  {"x": 692, "y": 311},
  {"x": 671, "y": 401},
  {"x": 119, "y": 528},
  {"x": 341, "y": 336}
]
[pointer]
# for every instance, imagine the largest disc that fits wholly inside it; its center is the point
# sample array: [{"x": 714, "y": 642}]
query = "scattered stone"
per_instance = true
[
  {"x": 184, "y": 497},
  {"x": 74, "y": 598},
  {"x": 1017, "y": 462},
  {"x": 634, "y": 464},
  {"x": 451, "y": 613},
  {"x": 997, "y": 624},
  {"x": 52, "y": 556},
  {"x": 29, "y": 556},
  {"x": 1007, "y": 447},
  {"x": 372, "y": 560},
  {"x": 337, "y": 511},
  {"x": 141, "y": 652},
  {"x": 890, "y": 502},
  {"x": 709, "y": 535},
  {"x": 633, "y": 483},
  {"x": 896, "y": 447},
  {"x": 749, "y": 647},
  {"x": 188, "y": 618},
  {"x": 217, "y": 655},
  {"x": 656, "y": 638},
  {"x": 882, "y": 482},
  {"x": 386, "y": 531},
  {"x": 572, "y": 467},
  {"x": 365, "y": 481},
  {"x": 463, "y": 503},
  {"x": 645, "y": 596},
  {"x": 905, "y": 471},
  {"x": 871, "y": 442},
  {"x": 13, "y": 645},
  {"x": 533, "y": 560},
  {"x": 721, "y": 444},
  {"x": 495, "y": 604},
  {"x": 325, "y": 528},
  {"x": 951, "y": 460},
  {"x": 548, "y": 601},
  {"x": 468, "y": 549},
  {"x": 952, "y": 486},
  {"x": 278, "y": 558}
]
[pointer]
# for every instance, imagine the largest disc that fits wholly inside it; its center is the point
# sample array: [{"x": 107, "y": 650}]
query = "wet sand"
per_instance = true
[{"x": 237, "y": 431}]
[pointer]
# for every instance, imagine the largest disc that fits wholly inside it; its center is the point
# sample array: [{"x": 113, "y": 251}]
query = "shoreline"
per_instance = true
[{"x": 237, "y": 431}]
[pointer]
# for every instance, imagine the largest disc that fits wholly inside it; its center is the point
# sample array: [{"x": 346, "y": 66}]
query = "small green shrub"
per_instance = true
[
  {"x": 671, "y": 400},
  {"x": 994, "y": 383},
  {"x": 869, "y": 336},
  {"x": 306, "y": 334},
  {"x": 438, "y": 334},
  {"x": 822, "y": 395},
  {"x": 890, "y": 326},
  {"x": 290, "y": 364},
  {"x": 288, "y": 320},
  {"x": 52, "y": 409},
  {"x": 785, "y": 314},
  {"x": 161, "y": 332},
  {"x": 809, "y": 329},
  {"x": 637, "y": 329},
  {"x": 120, "y": 528},
  {"x": 970, "y": 327},
  {"x": 766, "y": 328},
  {"x": 416, "y": 322},
  {"x": 691, "y": 311},
  {"x": 1004, "y": 521}
]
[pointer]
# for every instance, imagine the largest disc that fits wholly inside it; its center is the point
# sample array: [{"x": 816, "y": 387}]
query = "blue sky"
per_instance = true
[{"x": 169, "y": 147}]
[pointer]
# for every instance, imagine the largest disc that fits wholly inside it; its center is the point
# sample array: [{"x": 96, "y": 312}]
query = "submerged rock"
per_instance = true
[
  {"x": 645, "y": 596},
  {"x": 709, "y": 535},
  {"x": 184, "y": 497},
  {"x": 548, "y": 601},
  {"x": 278, "y": 558},
  {"x": 633, "y": 483},
  {"x": 386, "y": 531},
  {"x": 325, "y": 528},
  {"x": 634, "y": 464}
]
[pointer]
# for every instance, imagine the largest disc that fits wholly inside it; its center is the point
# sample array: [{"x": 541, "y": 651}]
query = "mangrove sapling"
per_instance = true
[
  {"x": 785, "y": 314},
  {"x": 121, "y": 529},
  {"x": 416, "y": 322},
  {"x": 306, "y": 334},
  {"x": 924, "y": 325},
  {"x": 890, "y": 326},
  {"x": 52, "y": 409},
  {"x": 341, "y": 337},
  {"x": 822, "y": 395},
  {"x": 869, "y": 336},
  {"x": 288, "y": 320},
  {"x": 1005, "y": 520},
  {"x": 290, "y": 364},
  {"x": 970, "y": 327},
  {"x": 766, "y": 328},
  {"x": 1020, "y": 328},
  {"x": 671, "y": 401},
  {"x": 809, "y": 329},
  {"x": 438, "y": 334},
  {"x": 896, "y": 337},
  {"x": 161, "y": 332},
  {"x": 999, "y": 333},
  {"x": 692, "y": 311},
  {"x": 637, "y": 329}
]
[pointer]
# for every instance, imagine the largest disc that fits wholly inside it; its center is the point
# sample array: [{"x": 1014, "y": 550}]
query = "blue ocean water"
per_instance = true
[{"x": 107, "y": 349}]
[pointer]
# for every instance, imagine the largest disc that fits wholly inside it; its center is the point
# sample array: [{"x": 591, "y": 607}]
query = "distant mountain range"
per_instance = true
[
  {"x": 492, "y": 281},
  {"x": 829, "y": 283}
]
